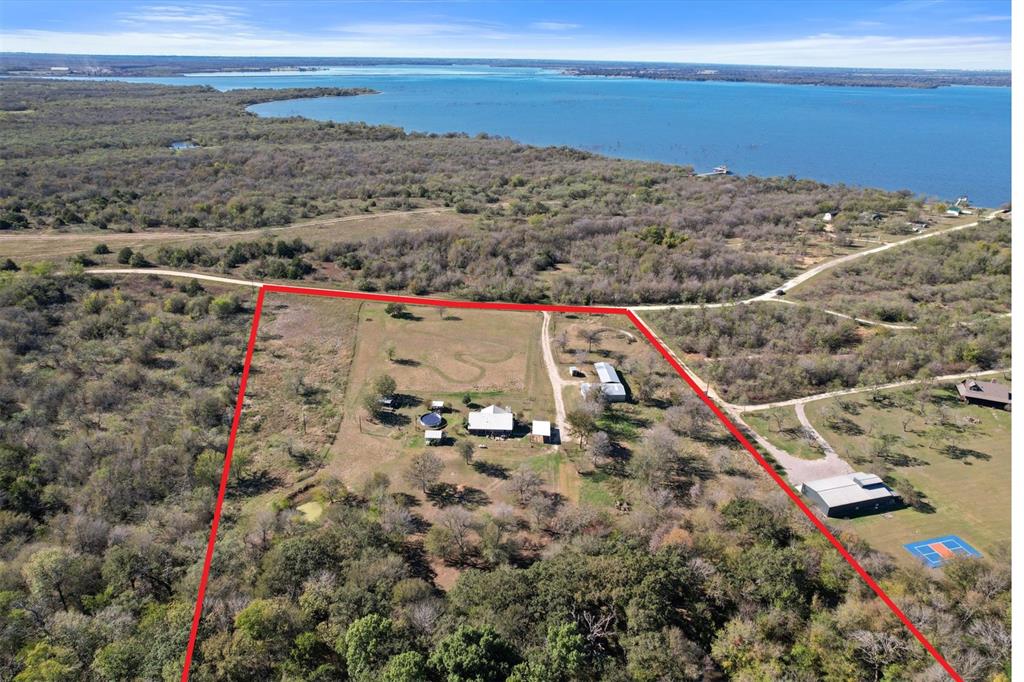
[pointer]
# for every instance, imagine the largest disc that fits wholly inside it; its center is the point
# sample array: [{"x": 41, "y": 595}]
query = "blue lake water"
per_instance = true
[{"x": 939, "y": 143}]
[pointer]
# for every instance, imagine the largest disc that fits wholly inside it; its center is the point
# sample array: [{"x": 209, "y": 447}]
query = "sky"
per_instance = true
[{"x": 964, "y": 34}]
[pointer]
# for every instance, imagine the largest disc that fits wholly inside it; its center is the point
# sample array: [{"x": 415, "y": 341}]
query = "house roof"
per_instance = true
[
  {"x": 606, "y": 373},
  {"x": 609, "y": 389},
  {"x": 491, "y": 418},
  {"x": 613, "y": 388},
  {"x": 434, "y": 434},
  {"x": 984, "y": 390},
  {"x": 541, "y": 428},
  {"x": 849, "y": 489}
]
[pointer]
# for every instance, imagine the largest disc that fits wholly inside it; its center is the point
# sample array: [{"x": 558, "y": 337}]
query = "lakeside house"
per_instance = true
[
  {"x": 849, "y": 495},
  {"x": 491, "y": 421},
  {"x": 985, "y": 393}
]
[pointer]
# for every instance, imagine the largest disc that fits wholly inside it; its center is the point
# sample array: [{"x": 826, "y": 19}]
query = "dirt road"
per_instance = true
[
  {"x": 176, "y": 273},
  {"x": 822, "y": 267},
  {"x": 29, "y": 244},
  {"x": 797, "y": 470},
  {"x": 864, "y": 389},
  {"x": 558, "y": 384}
]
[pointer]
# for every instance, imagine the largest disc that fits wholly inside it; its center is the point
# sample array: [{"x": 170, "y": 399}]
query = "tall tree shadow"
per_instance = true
[
  {"x": 490, "y": 469},
  {"x": 963, "y": 454},
  {"x": 255, "y": 483},
  {"x": 445, "y": 495}
]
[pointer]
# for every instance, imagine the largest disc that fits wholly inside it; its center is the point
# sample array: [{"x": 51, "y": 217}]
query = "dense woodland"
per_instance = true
[
  {"x": 550, "y": 223},
  {"x": 958, "y": 275},
  {"x": 761, "y": 352},
  {"x": 116, "y": 398},
  {"x": 116, "y": 403}
]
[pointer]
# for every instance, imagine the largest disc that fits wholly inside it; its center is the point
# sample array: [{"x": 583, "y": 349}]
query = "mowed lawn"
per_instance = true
[
  {"x": 970, "y": 490},
  {"x": 781, "y": 428}
]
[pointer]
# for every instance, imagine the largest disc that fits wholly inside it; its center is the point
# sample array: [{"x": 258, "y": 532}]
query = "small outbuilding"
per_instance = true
[
  {"x": 984, "y": 393},
  {"x": 850, "y": 495},
  {"x": 492, "y": 421},
  {"x": 438, "y": 406},
  {"x": 434, "y": 436},
  {"x": 575, "y": 371},
  {"x": 541, "y": 432}
]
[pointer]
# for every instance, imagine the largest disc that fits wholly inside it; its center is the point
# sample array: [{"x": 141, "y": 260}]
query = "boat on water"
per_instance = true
[{"x": 717, "y": 170}]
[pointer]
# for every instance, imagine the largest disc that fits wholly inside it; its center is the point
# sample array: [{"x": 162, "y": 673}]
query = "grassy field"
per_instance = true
[
  {"x": 782, "y": 429},
  {"x": 299, "y": 376},
  {"x": 442, "y": 355},
  {"x": 957, "y": 455},
  {"x": 304, "y": 422},
  {"x": 34, "y": 245}
]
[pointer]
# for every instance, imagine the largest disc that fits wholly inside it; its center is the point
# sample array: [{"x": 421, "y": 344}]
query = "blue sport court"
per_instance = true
[{"x": 938, "y": 551}]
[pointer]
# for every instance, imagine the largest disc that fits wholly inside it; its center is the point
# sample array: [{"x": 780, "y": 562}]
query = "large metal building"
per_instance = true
[{"x": 851, "y": 495}]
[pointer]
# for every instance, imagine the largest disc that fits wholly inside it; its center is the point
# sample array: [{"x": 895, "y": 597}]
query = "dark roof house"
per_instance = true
[{"x": 987, "y": 393}]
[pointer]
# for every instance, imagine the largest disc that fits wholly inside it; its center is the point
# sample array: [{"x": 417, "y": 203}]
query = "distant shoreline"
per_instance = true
[
  {"x": 35, "y": 65},
  {"x": 854, "y": 78}
]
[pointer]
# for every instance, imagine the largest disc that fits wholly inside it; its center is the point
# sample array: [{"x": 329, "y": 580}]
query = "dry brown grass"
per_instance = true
[
  {"x": 59, "y": 244},
  {"x": 296, "y": 386}
]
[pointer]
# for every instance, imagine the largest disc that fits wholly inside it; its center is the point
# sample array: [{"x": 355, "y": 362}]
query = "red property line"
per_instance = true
[
  {"x": 521, "y": 307},
  {"x": 197, "y": 615},
  {"x": 638, "y": 323}
]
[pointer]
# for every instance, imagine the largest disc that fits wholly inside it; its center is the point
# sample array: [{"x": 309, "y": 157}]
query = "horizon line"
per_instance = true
[{"x": 552, "y": 60}]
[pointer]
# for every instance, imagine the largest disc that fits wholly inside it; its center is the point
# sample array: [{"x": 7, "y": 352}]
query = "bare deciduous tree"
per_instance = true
[
  {"x": 423, "y": 471},
  {"x": 524, "y": 483}
]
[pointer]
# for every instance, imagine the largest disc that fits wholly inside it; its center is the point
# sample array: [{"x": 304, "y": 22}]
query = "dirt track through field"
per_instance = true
[
  {"x": 31, "y": 244},
  {"x": 557, "y": 383}
]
